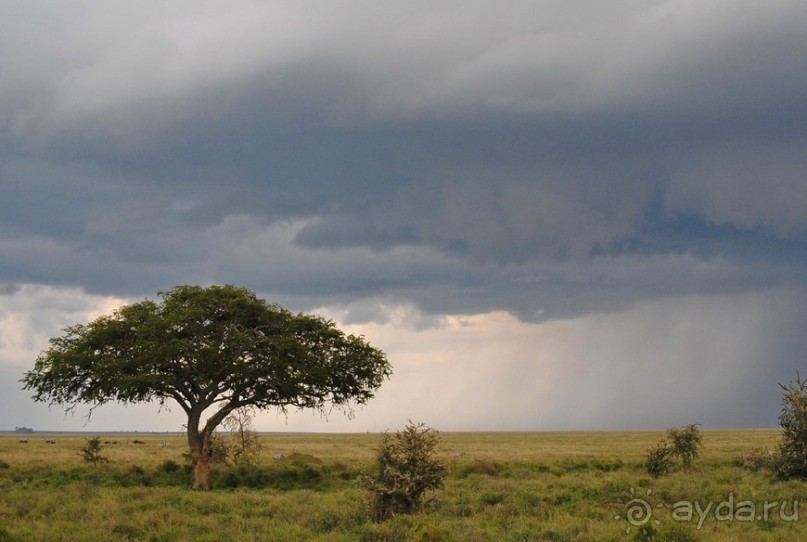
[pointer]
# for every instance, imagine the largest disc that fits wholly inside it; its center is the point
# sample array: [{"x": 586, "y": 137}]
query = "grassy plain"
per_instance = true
[{"x": 572, "y": 486}]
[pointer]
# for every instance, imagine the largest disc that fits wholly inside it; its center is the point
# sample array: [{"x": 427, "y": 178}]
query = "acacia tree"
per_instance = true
[{"x": 211, "y": 350}]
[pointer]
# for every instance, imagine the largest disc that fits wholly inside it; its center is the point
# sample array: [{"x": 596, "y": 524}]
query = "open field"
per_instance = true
[{"x": 501, "y": 486}]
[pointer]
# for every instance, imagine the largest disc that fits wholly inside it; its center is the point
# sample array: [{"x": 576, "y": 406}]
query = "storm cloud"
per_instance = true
[{"x": 560, "y": 163}]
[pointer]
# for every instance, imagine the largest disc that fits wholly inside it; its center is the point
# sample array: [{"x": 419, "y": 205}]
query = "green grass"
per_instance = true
[{"x": 501, "y": 486}]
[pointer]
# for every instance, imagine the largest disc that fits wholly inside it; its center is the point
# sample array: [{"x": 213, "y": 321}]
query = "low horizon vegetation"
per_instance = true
[{"x": 558, "y": 486}]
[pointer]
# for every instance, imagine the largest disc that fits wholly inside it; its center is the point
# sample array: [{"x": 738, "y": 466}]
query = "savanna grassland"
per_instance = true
[{"x": 500, "y": 486}]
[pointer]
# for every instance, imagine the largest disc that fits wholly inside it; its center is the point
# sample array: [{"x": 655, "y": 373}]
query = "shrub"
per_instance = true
[
  {"x": 658, "y": 461},
  {"x": 406, "y": 471},
  {"x": 239, "y": 444},
  {"x": 91, "y": 452},
  {"x": 686, "y": 443},
  {"x": 244, "y": 445},
  {"x": 792, "y": 459}
]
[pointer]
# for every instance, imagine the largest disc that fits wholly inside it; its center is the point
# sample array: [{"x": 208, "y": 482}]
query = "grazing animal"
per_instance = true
[
  {"x": 23, "y": 441},
  {"x": 50, "y": 442},
  {"x": 138, "y": 442}
]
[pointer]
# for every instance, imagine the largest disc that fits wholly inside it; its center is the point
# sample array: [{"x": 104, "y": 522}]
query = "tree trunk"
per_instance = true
[
  {"x": 201, "y": 472},
  {"x": 199, "y": 441},
  {"x": 201, "y": 460}
]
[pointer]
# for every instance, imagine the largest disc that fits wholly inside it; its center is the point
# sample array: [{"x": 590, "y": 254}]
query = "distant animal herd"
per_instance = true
[{"x": 135, "y": 441}]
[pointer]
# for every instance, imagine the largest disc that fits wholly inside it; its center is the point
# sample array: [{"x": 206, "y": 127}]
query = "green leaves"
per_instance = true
[
  {"x": 686, "y": 443},
  {"x": 203, "y": 346}
]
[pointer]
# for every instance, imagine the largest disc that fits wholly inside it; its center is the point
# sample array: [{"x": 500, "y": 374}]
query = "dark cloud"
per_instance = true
[{"x": 322, "y": 154}]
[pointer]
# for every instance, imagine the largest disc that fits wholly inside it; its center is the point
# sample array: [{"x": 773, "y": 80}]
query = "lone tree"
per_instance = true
[
  {"x": 219, "y": 348},
  {"x": 686, "y": 443},
  {"x": 91, "y": 452}
]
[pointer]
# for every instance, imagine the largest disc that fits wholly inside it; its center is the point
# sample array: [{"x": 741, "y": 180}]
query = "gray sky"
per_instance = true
[{"x": 549, "y": 214}]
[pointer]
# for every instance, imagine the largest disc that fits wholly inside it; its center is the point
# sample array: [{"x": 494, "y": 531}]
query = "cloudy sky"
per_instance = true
[{"x": 554, "y": 214}]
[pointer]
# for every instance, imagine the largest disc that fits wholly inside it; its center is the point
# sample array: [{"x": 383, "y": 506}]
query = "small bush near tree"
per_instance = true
[
  {"x": 407, "y": 470},
  {"x": 91, "y": 452},
  {"x": 658, "y": 461},
  {"x": 792, "y": 458},
  {"x": 238, "y": 443},
  {"x": 244, "y": 444}
]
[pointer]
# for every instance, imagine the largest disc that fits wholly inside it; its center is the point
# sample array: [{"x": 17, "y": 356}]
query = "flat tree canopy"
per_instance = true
[{"x": 219, "y": 348}]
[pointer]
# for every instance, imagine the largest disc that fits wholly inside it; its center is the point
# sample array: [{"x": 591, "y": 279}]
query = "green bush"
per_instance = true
[
  {"x": 686, "y": 443},
  {"x": 406, "y": 471},
  {"x": 658, "y": 461},
  {"x": 791, "y": 461},
  {"x": 91, "y": 452}
]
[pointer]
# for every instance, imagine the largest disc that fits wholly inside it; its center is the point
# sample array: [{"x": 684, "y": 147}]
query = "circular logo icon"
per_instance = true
[{"x": 638, "y": 512}]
